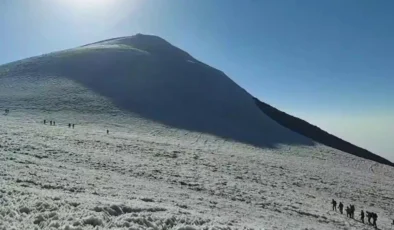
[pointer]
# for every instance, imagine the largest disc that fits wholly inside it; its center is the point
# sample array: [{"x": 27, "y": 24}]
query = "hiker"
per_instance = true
[
  {"x": 73, "y": 125},
  {"x": 352, "y": 209},
  {"x": 340, "y": 207},
  {"x": 374, "y": 219},
  {"x": 45, "y": 122},
  {"x": 54, "y": 123},
  {"x": 107, "y": 131},
  {"x": 362, "y": 216},
  {"x": 69, "y": 125},
  {"x": 334, "y": 205},
  {"x": 369, "y": 216},
  {"x": 50, "y": 122},
  {"x": 348, "y": 212}
]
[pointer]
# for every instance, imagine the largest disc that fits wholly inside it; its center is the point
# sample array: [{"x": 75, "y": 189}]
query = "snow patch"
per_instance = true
[
  {"x": 69, "y": 227},
  {"x": 24, "y": 210},
  {"x": 92, "y": 220}
]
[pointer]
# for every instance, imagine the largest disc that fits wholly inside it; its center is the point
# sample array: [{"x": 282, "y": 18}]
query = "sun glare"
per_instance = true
[{"x": 89, "y": 4}]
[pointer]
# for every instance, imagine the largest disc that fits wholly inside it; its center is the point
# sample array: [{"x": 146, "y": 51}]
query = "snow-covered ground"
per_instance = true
[
  {"x": 149, "y": 77},
  {"x": 147, "y": 176},
  {"x": 179, "y": 154}
]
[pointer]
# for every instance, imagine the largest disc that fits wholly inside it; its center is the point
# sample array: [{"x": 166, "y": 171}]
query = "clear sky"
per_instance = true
[{"x": 329, "y": 62}]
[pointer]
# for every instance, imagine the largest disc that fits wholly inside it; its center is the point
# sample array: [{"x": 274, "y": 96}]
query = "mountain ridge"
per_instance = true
[{"x": 317, "y": 134}]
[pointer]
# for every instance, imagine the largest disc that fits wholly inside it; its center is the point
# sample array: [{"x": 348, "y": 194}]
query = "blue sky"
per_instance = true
[{"x": 329, "y": 62}]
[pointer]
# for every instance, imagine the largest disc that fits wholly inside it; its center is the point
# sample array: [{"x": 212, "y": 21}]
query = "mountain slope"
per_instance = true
[
  {"x": 165, "y": 163},
  {"x": 150, "y": 78},
  {"x": 315, "y": 133},
  {"x": 147, "y": 77}
]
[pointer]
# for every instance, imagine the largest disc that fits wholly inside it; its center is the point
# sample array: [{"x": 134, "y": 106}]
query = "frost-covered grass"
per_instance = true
[{"x": 147, "y": 176}]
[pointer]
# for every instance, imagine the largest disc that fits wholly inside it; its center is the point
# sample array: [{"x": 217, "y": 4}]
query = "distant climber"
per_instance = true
[
  {"x": 348, "y": 212},
  {"x": 69, "y": 125},
  {"x": 340, "y": 206},
  {"x": 6, "y": 111},
  {"x": 54, "y": 123},
  {"x": 73, "y": 125},
  {"x": 352, "y": 210},
  {"x": 45, "y": 122},
  {"x": 334, "y": 205},
  {"x": 362, "y": 216},
  {"x": 107, "y": 131},
  {"x": 369, "y": 216},
  {"x": 374, "y": 219},
  {"x": 50, "y": 122}
]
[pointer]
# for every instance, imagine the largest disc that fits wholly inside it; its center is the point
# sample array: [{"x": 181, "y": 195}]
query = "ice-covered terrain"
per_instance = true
[
  {"x": 148, "y": 176},
  {"x": 148, "y": 77},
  {"x": 187, "y": 149}
]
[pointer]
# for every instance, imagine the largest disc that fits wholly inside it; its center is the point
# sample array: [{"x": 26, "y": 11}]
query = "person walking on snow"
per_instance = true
[
  {"x": 374, "y": 219},
  {"x": 348, "y": 212},
  {"x": 340, "y": 206},
  {"x": 352, "y": 210},
  {"x": 369, "y": 216},
  {"x": 334, "y": 205},
  {"x": 362, "y": 216}
]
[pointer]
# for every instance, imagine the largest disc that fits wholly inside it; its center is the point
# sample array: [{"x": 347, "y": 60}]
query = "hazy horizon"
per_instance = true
[{"x": 328, "y": 63}]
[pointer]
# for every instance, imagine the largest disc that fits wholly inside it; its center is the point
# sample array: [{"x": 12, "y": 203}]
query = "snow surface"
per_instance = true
[
  {"x": 150, "y": 78},
  {"x": 159, "y": 170},
  {"x": 154, "y": 177}
]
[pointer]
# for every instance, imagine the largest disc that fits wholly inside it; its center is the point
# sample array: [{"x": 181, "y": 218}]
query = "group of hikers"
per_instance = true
[
  {"x": 350, "y": 213},
  {"x": 53, "y": 123}
]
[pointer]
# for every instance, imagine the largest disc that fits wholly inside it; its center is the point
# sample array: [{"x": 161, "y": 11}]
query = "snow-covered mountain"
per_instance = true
[
  {"x": 187, "y": 149},
  {"x": 147, "y": 76}
]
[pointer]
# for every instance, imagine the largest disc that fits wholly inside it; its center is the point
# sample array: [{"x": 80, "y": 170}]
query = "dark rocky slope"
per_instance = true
[{"x": 315, "y": 133}]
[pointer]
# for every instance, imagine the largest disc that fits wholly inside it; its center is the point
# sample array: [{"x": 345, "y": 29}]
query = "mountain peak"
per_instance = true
[
  {"x": 149, "y": 43},
  {"x": 151, "y": 79}
]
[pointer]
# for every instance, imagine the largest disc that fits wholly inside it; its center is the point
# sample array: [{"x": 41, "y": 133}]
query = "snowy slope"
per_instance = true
[
  {"x": 148, "y": 77},
  {"x": 53, "y": 177},
  {"x": 158, "y": 169}
]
